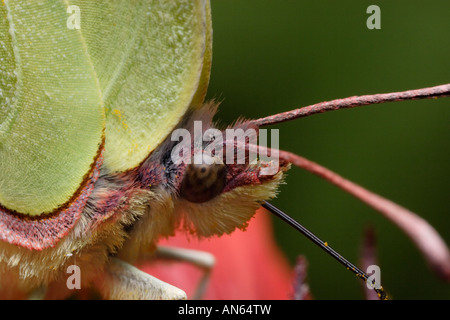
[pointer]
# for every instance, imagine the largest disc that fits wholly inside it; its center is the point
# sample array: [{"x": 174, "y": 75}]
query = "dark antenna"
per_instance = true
[{"x": 324, "y": 246}]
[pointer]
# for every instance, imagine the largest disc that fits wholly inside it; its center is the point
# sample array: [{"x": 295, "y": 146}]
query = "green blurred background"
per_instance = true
[{"x": 272, "y": 56}]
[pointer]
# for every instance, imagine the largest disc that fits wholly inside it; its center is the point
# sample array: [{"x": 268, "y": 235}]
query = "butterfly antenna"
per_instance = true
[
  {"x": 426, "y": 238},
  {"x": 324, "y": 246},
  {"x": 356, "y": 101}
]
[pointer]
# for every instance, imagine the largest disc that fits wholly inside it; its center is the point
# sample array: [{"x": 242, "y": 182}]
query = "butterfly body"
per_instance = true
[{"x": 125, "y": 214}]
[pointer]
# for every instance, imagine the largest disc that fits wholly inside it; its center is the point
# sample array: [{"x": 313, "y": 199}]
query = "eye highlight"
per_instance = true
[{"x": 202, "y": 182}]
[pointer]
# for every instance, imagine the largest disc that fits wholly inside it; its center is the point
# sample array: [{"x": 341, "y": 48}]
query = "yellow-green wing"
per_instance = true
[
  {"x": 51, "y": 113},
  {"x": 129, "y": 70},
  {"x": 149, "y": 60},
  {"x": 200, "y": 95}
]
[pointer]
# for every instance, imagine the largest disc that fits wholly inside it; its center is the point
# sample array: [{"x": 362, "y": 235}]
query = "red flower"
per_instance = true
[{"x": 249, "y": 265}]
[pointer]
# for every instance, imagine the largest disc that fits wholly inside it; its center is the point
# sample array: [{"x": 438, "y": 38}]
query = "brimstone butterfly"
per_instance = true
[{"x": 85, "y": 139}]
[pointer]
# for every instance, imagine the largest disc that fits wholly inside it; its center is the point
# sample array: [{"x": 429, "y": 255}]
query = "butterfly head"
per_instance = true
[{"x": 217, "y": 176}]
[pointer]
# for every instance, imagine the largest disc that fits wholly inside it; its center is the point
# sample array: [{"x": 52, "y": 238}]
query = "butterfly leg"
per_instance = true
[
  {"x": 202, "y": 259},
  {"x": 125, "y": 282}
]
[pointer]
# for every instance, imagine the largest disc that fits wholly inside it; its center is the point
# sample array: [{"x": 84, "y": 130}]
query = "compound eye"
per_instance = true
[{"x": 202, "y": 182}]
